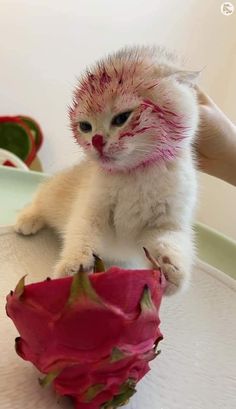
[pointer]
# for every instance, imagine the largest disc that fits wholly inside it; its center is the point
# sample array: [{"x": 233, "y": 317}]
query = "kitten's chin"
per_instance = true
[
  {"x": 107, "y": 163},
  {"x": 111, "y": 165},
  {"x": 121, "y": 166},
  {"x": 124, "y": 164}
]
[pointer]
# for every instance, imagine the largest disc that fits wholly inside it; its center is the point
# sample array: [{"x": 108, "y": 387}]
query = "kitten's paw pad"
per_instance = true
[
  {"x": 28, "y": 223},
  {"x": 175, "y": 275},
  {"x": 70, "y": 266}
]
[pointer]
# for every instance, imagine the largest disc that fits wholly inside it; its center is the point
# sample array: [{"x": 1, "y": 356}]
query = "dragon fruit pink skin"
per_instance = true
[{"x": 91, "y": 335}]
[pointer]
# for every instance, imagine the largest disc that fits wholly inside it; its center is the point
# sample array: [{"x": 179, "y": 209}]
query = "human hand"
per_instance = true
[{"x": 216, "y": 142}]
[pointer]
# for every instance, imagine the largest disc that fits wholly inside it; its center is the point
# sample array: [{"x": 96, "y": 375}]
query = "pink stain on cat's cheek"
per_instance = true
[
  {"x": 154, "y": 117},
  {"x": 166, "y": 128},
  {"x": 173, "y": 120}
]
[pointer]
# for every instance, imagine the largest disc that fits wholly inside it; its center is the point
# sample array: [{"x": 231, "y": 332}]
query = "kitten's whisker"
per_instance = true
[
  {"x": 146, "y": 145},
  {"x": 142, "y": 150}
]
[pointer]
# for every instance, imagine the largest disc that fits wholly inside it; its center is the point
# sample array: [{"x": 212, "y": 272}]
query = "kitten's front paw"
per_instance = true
[
  {"x": 28, "y": 222},
  {"x": 175, "y": 271},
  {"x": 70, "y": 265}
]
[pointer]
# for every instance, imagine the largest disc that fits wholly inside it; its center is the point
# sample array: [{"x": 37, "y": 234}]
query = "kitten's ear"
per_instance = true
[{"x": 187, "y": 77}]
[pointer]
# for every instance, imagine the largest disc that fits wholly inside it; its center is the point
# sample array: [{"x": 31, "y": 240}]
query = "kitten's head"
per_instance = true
[{"x": 134, "y": 108}]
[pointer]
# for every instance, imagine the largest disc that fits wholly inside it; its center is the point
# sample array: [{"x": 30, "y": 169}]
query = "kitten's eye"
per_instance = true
[
  {"x": 85, "y": 127},
  {"x": 120, "y": 119}
]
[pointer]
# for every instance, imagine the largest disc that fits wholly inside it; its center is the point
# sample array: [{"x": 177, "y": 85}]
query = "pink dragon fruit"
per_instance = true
[{"x": 91, "y": 335}]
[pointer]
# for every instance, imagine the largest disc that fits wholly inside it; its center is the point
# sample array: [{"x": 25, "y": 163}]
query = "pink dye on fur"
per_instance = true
[{"x": 98, "y": 143}]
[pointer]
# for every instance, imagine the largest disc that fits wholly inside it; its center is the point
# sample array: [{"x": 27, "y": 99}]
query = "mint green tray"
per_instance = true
[{"x": 17, "y": 188}]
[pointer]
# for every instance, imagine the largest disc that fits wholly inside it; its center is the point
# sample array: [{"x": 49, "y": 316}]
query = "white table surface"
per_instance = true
[{"x": 197, "y": 366}]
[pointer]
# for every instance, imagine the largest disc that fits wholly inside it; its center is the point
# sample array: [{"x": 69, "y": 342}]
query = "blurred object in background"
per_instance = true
[
  {"x": 20, "y": 140},
  {"x": 10, "y": 159}
]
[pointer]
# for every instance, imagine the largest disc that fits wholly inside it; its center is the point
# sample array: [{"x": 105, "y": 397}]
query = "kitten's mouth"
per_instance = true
[
  {"x": 108, "y": 158},
  {"x": 105, "y": 158}
]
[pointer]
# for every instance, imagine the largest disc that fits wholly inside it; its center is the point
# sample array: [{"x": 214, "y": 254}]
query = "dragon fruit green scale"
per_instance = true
[{"x": 92, "y": 336}]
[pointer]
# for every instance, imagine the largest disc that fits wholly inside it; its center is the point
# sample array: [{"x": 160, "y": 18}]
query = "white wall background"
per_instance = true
[{"x": 45, "y": 44}]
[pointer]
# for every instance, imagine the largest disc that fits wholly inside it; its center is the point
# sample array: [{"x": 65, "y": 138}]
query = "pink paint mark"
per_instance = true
[
  {"x": 125, "y": 134},
  {"x": 91, "y": 80},
  {"x": 158, "y": 156},
  {"x": 144, "y": 129},
  {"x": 105, "y": 78},
  {"x": 167, "y": 129},
  {"x": 91, "y": 77},
  {"x": 98, "y": 143}
]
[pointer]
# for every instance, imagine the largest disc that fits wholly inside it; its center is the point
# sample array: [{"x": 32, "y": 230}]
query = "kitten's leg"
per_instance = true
[
  {"x": 81, "y": 241},
  {"x": 51, "y": 204},
  {"x": 174, "y": 251},
  {"x": 30, "y": 220}
]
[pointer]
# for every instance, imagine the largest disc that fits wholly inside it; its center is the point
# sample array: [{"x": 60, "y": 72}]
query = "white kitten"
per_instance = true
[{"x": 136, "y": 116}]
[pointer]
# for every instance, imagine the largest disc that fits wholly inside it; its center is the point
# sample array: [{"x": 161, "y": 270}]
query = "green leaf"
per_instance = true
[
  {"x": 93, "y": 391},
  {"x": 146, "y": 303},
  {"x": 123, "y": 398},
  {"x": 117, "y": 355},
  {"x": 107, "y": 405},
  {"x": 129, "y": 384},
  {"x": 99, "y": 266},
  {"x": 81, "y": 288},
  {"x": 20, "y": 287},
  {"x": 49, "y": 378},
  {"x": 127, "y": 390}
]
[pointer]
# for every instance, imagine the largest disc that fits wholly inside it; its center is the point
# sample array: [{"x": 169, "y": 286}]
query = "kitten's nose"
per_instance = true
[{"x": 98, "y": 142}]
